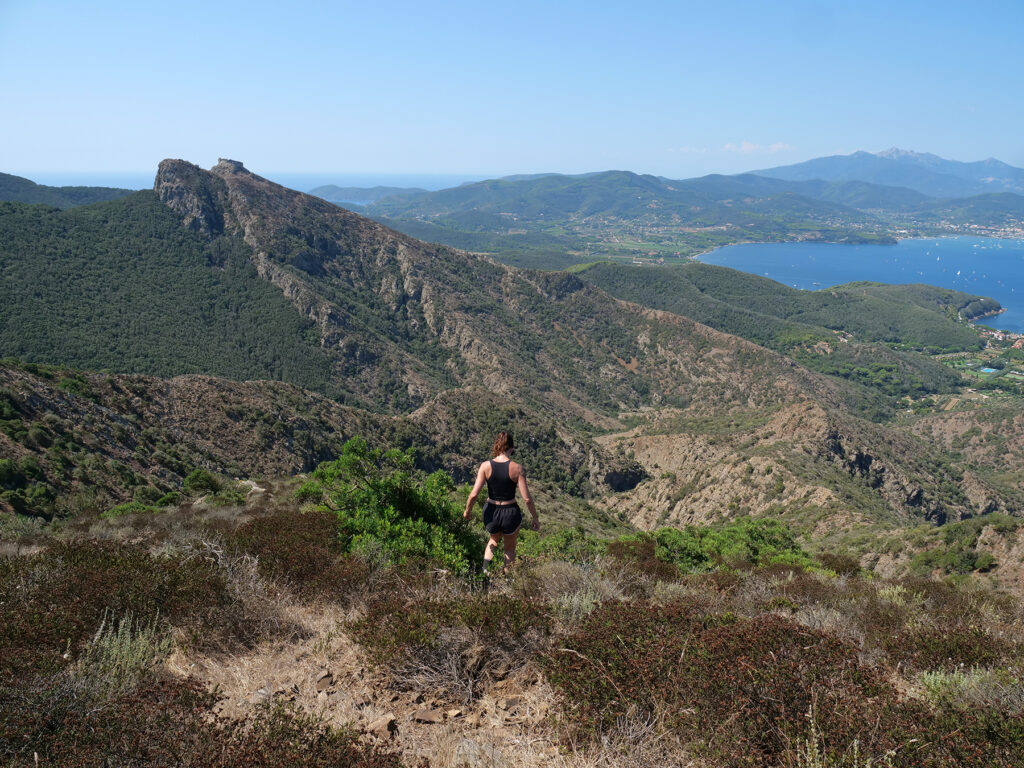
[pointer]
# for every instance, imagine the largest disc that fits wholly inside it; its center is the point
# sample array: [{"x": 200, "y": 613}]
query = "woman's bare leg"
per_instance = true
[
  {"x": 510, "y": 548},
  {"x": 491, "y": 549}
]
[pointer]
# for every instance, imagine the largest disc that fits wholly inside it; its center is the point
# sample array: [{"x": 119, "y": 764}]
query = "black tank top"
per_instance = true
[{"x": 500, "y": 487}]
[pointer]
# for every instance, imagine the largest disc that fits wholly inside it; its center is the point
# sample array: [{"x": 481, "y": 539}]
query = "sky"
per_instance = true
[{"x": 476, "y": 89}]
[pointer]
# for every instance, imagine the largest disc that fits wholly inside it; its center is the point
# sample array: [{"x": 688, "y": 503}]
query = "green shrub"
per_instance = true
[
  {"x": 128, "y": 508},
  {"x": 571, "y": 544},
  {"x": 147, "y": 494},
  {"x": 76, "y": 384},
  {"x": 388, "y": 511},
  {"x": 200, "y": 481},
  {"x": 169, "y": 499},
  {"x": 229, "y": 495},
  {"x": 694, "y": 549},
  {"x": 310, "y": 492},
  {"x": 8, "y": 405},
  {"x": 38, "y": 436},
  {"x": 10, "y": 474}
]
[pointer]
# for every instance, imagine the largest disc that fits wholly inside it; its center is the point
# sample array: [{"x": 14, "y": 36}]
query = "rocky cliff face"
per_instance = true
[
  {"x": 802, "y": 460},
  {"x": 199, "y": 198}
]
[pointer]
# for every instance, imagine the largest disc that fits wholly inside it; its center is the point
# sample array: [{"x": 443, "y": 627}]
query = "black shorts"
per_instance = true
[{"x": 504, "y": 519}]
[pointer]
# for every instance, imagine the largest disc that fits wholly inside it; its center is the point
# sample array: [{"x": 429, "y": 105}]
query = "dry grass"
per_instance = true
[{"x": 288, "y": 667}]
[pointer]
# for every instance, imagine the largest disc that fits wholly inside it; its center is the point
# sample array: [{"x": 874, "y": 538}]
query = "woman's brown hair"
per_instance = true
[{"x": 503, "y": 444}]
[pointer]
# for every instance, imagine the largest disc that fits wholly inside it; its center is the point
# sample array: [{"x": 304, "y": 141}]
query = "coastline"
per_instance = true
[
  {"x": 896, "y": 241},
  {"x": 975, "y": 264},
  {"x": 993, "y": 313}
]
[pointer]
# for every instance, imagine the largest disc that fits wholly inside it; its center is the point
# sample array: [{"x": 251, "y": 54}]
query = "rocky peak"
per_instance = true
[
  {"x": 225, "y": 167},
  {"x": 197, "y": 196}
]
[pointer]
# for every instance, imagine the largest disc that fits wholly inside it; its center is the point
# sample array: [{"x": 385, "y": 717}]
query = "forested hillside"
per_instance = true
[{"x": 123, "y": 286}]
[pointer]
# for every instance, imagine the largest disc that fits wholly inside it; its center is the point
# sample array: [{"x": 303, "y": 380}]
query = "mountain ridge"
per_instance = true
[
  {"x": 22, "y": 190},
  {"x": 927, "y": 173}
]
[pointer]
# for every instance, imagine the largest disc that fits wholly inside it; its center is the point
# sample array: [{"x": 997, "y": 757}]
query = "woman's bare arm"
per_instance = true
[
  {"x": 481, "y": 478},
  {"x": 524, "y": 491}
]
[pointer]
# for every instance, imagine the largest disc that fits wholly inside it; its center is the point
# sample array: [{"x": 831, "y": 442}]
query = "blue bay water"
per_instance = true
[{"x": 976, "y": 265}]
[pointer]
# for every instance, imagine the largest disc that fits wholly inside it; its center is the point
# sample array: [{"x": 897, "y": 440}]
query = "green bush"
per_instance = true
[
  {"x": 200, "y": 481},
  {"x": 747, "y": 542},
  {"x": 389, "y": 512},
  {"x": 169, "y": 499},
  {"x": 10, "y": 476},
  {"x": 128, "y": 508},
  {"x": 571, "y": 544},
  {"x": 229, "y": 495},
  {"x": 147, "y": 494}
]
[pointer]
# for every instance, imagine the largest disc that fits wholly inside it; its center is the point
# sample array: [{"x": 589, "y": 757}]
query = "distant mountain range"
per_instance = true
[
  {"x": 928, "y": 174},
  {"x": 555, "y": 220}
]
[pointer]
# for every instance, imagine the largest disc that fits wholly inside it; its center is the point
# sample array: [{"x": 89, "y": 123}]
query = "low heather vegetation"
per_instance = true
[{"x": 725, "y": 646}]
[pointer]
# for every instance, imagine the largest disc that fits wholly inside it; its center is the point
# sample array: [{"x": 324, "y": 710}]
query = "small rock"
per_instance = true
[
  {"x": 508, "y": 703},
  {"x": 469, "y": 752},
  {"x": 384, "y": 727},
  {"x": 451, "y": 714},
  {"x": 324, "y": 681},
  {"x": 259, "y": 695},
  {"x": 428, "y": 716}
]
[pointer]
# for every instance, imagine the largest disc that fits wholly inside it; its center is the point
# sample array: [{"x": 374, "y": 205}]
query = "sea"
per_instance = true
[{"x": 978, "y": 265}]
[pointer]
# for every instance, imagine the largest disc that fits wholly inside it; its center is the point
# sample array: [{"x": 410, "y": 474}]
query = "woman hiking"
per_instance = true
[{"x": 502, "y": 515}]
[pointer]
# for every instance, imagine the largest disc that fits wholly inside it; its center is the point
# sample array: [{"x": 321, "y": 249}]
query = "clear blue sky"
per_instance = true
[{"x": 672, "y": 88}]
